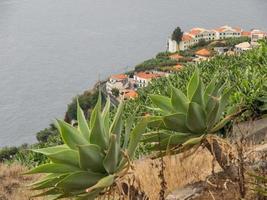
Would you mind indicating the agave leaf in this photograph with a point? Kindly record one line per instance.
(70, 135)
(91, 158)
(179, 101)
(162, 102)
(128, 127)
(79, 181)
(54, 191)
(209, 90)
(98, 135)
(65, 157)
(193, 84)
(155, 136)
(198, 95)
(191, 143)
(116, 126)
(156, 122)
(172, 141)
(49, 182)
(111, 159)
(103, 183)
(176, 122)
(106, 115)
(221, 124)
(136, 135)
(53, 168)
(211, 117)
(223, 103)
(51, 150)
(196, 118)
(82, 123)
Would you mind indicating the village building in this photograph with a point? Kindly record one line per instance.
(142, 79)
(195, 35)
(176, 56)
(118, 81)
(244, 46)
(129, 94)
(202, 55)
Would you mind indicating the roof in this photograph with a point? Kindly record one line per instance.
(203, 52)
(119, 76)
(130, 94)
(176, 56)
(148, 75)
(246, 33)
(195, 31)
(186, 37)
(226, 28)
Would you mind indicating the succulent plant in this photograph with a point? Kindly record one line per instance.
(187, 118)
(92, 157)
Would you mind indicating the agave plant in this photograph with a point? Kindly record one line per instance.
(188, 117)
(92, 157)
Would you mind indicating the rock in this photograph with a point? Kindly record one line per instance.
(186, 193)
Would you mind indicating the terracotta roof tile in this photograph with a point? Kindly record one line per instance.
(186, 37)
(119, 76)
(203, 52)
(175, 56)
(147, 75)
(130, 94)
(246, 33)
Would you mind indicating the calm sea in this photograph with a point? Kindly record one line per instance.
(52, 50)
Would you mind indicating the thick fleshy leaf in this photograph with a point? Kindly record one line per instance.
(70, 135)
(51, 150)
(106, 115)
(162, 102)
(82, 123)
(196, 118)
(198, 95)
(65, 157)
(79, 180)
(54, 168)
(89, 196)
(155, 136)
(223, 103)
(111, 159)
(91, 158)
(174, 140)
(49, 182)
(209, 90)
(156, 122)
(98, 135)
(117, 124)
(179, 101)
(211, 116)
(136, 135)
(176, 122)
(103, 183)
(128, 126)
(193, 84)
(191, 143)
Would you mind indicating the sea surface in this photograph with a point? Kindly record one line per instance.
(52, 50)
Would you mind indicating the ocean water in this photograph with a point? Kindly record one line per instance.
(52, 50)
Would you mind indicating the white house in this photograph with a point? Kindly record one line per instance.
(119, 81)
(142, 79)
(196, 34)
(257, 35)
(244, 46)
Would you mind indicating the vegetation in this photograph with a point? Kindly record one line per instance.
(115, 92)
(177, 35)
(97, 141)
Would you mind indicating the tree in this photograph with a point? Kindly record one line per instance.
(115, 92)
(177, 35)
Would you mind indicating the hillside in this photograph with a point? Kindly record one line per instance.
(245, 75)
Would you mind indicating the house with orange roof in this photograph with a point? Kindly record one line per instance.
(142, 79)
(202, 54)
(196, 34)
(129, 94)
(118, 81)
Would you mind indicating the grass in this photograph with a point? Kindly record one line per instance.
(13, 185)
